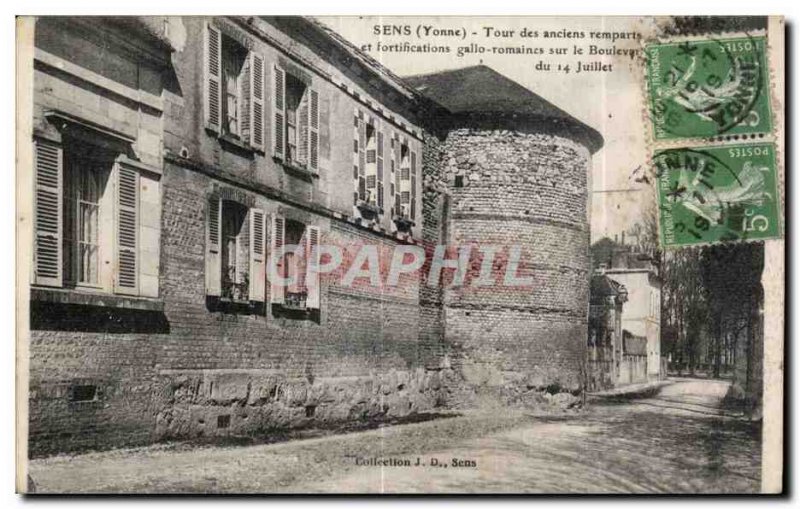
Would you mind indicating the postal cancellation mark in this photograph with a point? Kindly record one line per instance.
(707, 88)
(719, 193)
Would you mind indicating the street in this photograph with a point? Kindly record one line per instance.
(679, 441)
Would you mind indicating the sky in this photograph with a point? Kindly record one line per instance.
(611, 102)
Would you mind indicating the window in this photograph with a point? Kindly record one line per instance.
(86, 177)
(406, 197)
(404, 202)
(296, 121)
(295, 267)
(370, 150)
(303, 289)
(87, 220)
(233, 80)
(234, 84)
(295, 133)
(368, 163)
(235, 251)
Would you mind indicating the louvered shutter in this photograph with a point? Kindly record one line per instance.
(246, 101)
(279, 112)
(257, 71)
(398, 157)
(356, 168)
(277, 236)
(380, 170)
(312, 278)
(213, 240)
(413, 186)
(362, 146)
(258, 276)
(302, 116)
(212, 77)
(313, 157)
(127, 231)
(362, 188)
(48, 224)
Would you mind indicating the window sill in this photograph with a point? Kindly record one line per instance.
(236, 142)
(291, 312)
(233, 306)
(301, 172)
(86, 298)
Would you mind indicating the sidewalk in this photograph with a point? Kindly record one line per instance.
(632, 390)
(675, 443)
(269, 468)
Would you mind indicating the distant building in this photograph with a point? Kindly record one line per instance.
(607, 298)
(641, 314)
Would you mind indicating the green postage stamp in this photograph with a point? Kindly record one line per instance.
(719, 193)
(709, 88)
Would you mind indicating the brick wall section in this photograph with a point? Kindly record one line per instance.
(193, 365)
(267, 372)
(530, 190)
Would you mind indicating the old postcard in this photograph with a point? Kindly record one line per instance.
(265, 254)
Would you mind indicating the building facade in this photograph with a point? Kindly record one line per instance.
(639, 357)
(174, 156)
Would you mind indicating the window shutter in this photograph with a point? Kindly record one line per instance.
(277, 236)
(380, 156)
(212, 77)
(380, 171)
(245, 103)
(413, 192)
(213, 240)
(356, 167)
(127, 231)
(312, 279)
(362, 145)
(258, 275)
(48, 223)
(362, 188)
(279, 109)
(313, 158)
(303, 118)
(257, 100)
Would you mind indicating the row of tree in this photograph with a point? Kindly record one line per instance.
(711, 300)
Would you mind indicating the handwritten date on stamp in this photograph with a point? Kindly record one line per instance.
(707, 88)
(717, 194)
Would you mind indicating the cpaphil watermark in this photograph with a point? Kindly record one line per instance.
(468, 265)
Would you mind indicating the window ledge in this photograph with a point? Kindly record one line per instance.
(62, 296)
(236, 142)
(297, 170)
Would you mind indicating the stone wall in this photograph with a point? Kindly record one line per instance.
(527, 189)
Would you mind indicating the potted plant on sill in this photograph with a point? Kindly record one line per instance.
(403, 224)
(369, 211)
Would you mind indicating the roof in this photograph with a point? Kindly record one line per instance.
(482, 90)
(603, 286)
(362, 58)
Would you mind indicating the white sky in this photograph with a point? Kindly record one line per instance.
(610, 102)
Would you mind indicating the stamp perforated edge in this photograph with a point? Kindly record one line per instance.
(712, 140)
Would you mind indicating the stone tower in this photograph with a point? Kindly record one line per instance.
(505, 167)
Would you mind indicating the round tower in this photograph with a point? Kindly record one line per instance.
(517, 171)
